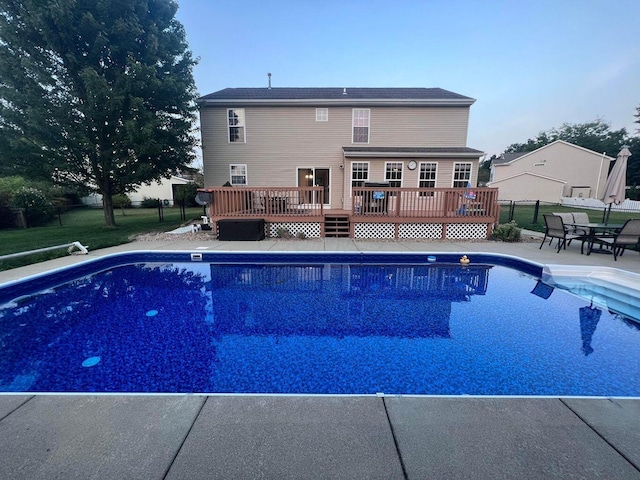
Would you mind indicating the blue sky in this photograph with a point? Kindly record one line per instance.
(531, 65)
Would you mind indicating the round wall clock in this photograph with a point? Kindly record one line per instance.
(412, 165)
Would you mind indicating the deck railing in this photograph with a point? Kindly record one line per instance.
(435, 204)
(420, 203)
(266, 201)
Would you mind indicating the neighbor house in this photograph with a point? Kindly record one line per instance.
(164, 190)
(338, 140)
(559, 169)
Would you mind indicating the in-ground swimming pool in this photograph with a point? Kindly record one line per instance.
(311, 324)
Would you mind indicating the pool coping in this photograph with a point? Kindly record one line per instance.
(241, 436)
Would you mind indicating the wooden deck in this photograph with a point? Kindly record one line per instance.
(371, 206)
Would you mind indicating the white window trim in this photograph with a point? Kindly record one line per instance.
(322, 114)
(401, 173)
(246, 174)
(353, 125)
(244, 126)
(363, 180)
(435, 180)
(453, 174)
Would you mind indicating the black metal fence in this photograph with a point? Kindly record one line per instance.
(53, 215)
(529, 212)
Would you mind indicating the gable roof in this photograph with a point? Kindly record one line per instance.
(511, 157)
(336, 96)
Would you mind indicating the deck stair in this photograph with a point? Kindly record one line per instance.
(336, 226)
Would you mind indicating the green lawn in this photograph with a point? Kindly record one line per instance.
(523, 215)
(87, 227)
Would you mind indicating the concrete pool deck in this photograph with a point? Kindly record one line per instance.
(350, 437)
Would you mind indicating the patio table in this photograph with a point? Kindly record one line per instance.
(594, 230)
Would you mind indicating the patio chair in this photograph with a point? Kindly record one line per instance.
(555, 228)
(580, 217)
(628, 236)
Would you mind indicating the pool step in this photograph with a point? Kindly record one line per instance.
(336, 226)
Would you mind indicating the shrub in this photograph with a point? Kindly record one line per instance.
(186, 194)
(37, 208)
(301, 235)
(507, 232)
(12, 184)
(148, 202)
(283, 233)
(6, 214)
(121, 201)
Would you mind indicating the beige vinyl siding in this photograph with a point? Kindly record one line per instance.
(419, 127)
(564, 162)
(281, 139)
(526, 187)
(444, 175)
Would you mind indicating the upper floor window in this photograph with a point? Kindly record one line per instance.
(322, 114)
(427, 177)
(235, 124)
(461, 175)
(238, 174)
(361, 125)
(359, 174)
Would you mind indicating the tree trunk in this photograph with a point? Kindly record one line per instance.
(107, 208)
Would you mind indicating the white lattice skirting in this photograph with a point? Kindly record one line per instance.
(421, 230)
(310, 230)
(373, 230)
(466, 230)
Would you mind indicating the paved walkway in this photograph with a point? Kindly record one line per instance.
(350, 437)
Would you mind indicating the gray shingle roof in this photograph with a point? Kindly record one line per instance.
(335, 94)
(412, 151)
(508, 157)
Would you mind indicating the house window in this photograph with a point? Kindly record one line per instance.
(322, 114)
(393, 174)
(359, 173)
(238, 174)
(361, 125)
(235, 124)
(427, 177)
(461, 175)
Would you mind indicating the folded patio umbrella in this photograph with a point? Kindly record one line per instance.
(614, 189)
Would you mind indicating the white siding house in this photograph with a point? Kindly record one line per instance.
(559, 169)
(162, 189)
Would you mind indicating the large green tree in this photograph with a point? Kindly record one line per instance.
(98, 93)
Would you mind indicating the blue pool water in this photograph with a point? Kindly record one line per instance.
(318, 324)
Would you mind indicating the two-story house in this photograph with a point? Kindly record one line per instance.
(338, 139)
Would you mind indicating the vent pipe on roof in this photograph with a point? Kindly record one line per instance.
(269, 75)
(344, 91)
